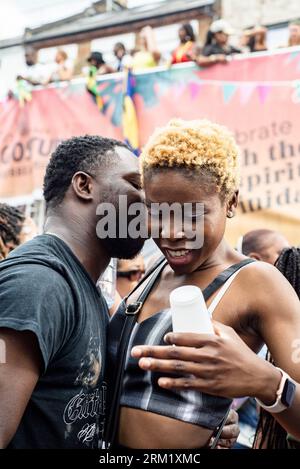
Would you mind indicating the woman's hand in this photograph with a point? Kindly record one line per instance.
(220, 364)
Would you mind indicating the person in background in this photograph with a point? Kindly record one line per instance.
(34, 72)
(270, 433)
(189, 51)
(64, 70)
(124, 60)
(289, 265)
(98, 66)
(187, 47)
(145, 55)
(15, 229)
(294, 33)
(129, 273)
(255, 39)
(217, 40)
(263, 245)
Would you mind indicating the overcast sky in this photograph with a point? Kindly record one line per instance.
(15, 15)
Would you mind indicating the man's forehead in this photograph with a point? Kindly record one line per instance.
(127, 161)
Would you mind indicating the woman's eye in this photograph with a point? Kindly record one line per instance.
(195, 216)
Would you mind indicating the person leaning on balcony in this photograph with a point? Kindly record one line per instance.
(294, 33)
(123, 59)
(217, 40)
(34, 73)
(255, 39)
(64, 68)
(145, 55)
(187, 46)
(189, 51)
(98, 64)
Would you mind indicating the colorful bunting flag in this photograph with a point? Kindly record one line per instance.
(179, 90)
(292, 56)
(246, 90)
(263, 92)
(194, 89)
(228, 91)
(129, 117)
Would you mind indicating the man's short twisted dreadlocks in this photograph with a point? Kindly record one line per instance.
(85, 153)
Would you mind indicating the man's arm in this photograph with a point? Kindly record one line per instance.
(31, 82)
(18, 376)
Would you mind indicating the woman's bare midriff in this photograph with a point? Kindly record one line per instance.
(146, 430)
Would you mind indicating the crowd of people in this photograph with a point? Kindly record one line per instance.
(216, 49)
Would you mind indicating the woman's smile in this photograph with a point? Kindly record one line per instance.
(178, 257)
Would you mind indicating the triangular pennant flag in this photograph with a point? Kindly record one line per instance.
(228, 91)
(246, 90)
(179, 89)
(292, 56)
(296, 92)
(194, 89)
(263, 91)
(162, 87)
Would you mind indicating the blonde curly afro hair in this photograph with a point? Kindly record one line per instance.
(200, 146)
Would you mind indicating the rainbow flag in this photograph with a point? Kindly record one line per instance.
(129, 117)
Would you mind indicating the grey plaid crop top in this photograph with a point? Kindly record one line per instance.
(140, 388)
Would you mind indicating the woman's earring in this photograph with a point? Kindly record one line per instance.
(230, 214)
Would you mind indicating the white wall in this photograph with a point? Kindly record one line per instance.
(245, 13)
(11, 60)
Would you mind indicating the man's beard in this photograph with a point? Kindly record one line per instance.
(123, 248)
(121, 245)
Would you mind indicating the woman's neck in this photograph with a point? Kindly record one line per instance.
(222, 256)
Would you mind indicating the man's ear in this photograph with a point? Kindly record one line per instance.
(232, 204)
(82, 185)
(254, 255)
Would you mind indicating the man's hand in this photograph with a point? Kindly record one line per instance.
(230, 431)
(220, 364)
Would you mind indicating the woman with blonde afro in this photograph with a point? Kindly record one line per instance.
(177, 396)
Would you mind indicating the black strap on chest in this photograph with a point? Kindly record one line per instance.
(132, 311)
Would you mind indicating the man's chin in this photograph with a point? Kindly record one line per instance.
(122, 248)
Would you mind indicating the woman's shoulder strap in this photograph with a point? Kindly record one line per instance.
(157, 266)
(223, 277)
